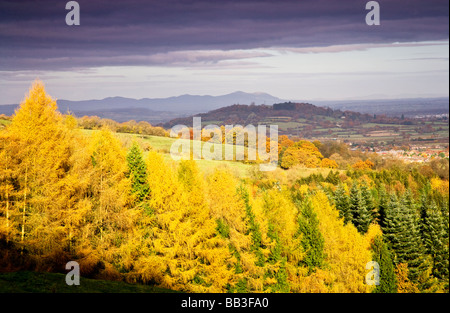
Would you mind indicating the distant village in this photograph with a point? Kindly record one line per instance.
(417, 154)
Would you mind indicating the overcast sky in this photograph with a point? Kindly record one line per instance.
(292, 49)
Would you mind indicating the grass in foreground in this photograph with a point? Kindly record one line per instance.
(36, 282)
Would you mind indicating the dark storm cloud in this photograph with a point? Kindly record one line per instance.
(33, 34)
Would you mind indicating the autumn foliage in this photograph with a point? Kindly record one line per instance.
(132, 215)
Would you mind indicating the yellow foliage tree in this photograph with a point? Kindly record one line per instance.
(43, 150)
(362, 165)
(185, 251)
(282, 214)
(110, 208)
(442, 186)
(10, 213)
(232, 216)
(327, 163)
(347, 251)
(303, 153)
(404, 285)
(285, 142)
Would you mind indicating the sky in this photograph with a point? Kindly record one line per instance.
(291, 49)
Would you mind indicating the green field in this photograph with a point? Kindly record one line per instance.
(4, 122)
(366, 133)
(163, 145)
(238, 169)
(31, 282)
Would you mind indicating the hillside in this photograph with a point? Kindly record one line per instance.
(314, 122)
(241, 114)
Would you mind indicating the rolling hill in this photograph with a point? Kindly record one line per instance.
(308, 121)
(153, 110)
(163, 110)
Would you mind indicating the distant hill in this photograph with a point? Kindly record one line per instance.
(182, 104)
(156, 110)
(163, 110)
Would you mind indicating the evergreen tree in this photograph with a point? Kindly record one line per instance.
(369, 204)
(402, 231)
(333, 177)
(281, 214)
(242, 220)
(408, 201)
(342, 203)
(355, 201)
(137, 171)
(436, 245)
(383, 202)
(361, 217)
(423, 208)
(445, 217)
(276, 264)
(253, 229)
(311, 238)
(384, 258)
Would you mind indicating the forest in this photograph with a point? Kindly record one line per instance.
(125, 212)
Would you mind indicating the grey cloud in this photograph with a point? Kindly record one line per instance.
(171, 58)
(34, 35)
(356, 47)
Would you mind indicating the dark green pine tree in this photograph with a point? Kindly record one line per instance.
(361, 217)
(445, 217)
(435, 242)
(253, 228)
(342, 203)
(137, 171)
(424, 203)
(408, 200)
(312, 241)
(355, 200)
(383, 202)
(369, 204)
(333, 177)
(382, 255)
(403, 233)
(275, 258)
